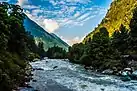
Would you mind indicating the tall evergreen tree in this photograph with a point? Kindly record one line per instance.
(133, 33)
(120, 39)
(133, 24)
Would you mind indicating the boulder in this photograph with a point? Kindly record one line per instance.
(45, 58)
(102, 89)
(55, 67)
(108, 71)
(34, 80)
(37, 69)
(40, 69)
(88, 67)
(125, 78)
(36, 59)
(65, 60)
(134, 75)
(125, 73)
(118, 73)
(26, 84)
(127, 69)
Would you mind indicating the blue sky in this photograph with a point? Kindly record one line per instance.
(71, 20)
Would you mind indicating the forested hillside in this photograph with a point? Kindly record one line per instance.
(17, 47)
(105, 52)
(120, 12)
(49, 39)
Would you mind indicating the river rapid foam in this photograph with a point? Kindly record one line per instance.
(60, 75)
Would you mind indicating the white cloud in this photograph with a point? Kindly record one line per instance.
(63, 2)
(30, 7)
(50, 25)
(67, 13)
(35, 12)
(77, 14)
(4, 0)
(72, 41)
(76, 40)
(62, 13)
(83, 16)
(22, 2)
(80, 1)
(88, 18)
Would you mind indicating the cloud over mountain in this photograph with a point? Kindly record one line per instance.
(54, 15)
(60, 13)
(22, 2)
(50, 25)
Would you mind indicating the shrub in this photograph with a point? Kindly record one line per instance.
(86, 60)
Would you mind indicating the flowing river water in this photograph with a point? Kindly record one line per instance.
(73, 77)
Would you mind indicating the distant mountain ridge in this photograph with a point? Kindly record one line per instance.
(49, 39)
(120, 12)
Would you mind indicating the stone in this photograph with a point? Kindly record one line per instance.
(55, 67)
(102, 89)
(83, 86)
(134, 75)
(127, 69)
(125, 78)
(108, 71)
(36, 59)
(34, 80)
(37, 69)
(45, 58)
(124, 73)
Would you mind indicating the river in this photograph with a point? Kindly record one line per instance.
(73, 77)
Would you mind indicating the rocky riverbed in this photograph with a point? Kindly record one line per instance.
(60, 75)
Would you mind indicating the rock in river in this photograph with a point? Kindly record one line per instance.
(108, 71)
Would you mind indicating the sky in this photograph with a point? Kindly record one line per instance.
(71, 20)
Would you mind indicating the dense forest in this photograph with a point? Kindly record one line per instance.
(104, 52)
(56, 53)
(17, 47)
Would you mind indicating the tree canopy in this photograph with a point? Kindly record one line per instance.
(17, 47)
(104, 52)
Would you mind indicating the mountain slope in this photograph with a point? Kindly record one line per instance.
(120, 12)
(40, 34)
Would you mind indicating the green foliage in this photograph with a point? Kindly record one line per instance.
(120, 12)
(133, 24)
(31, 56)
(56, 52)
(41, 49)
(120, 39)
(11, 70)
(133, 33)
(104, 52)
(86, 60)
(98, 52)
(17, 47)
(101, 36)
(49, 39)
(75, 52)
